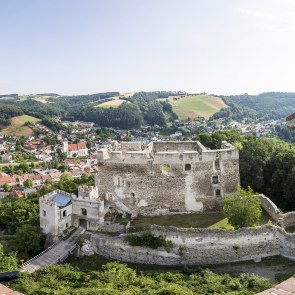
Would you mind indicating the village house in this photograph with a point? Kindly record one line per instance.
(5, 178)
(291, 121)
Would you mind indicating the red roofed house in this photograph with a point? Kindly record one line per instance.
(291, 121)
(5, 178)
(75, 149)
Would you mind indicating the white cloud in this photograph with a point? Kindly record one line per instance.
(274, 21)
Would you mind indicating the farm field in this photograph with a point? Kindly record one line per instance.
(116, 101)
(17, 126)
(111, 104)
(196, 106)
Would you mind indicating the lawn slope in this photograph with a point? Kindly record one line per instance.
(17, 126)
(196, 106)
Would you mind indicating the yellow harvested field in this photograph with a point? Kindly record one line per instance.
(112, 103)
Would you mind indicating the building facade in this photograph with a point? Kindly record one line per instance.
(169, 176)
(75, 149)
(160, 178)
(60, 210)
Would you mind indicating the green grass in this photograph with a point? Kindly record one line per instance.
(222, 224)
(18, 128)
(25, 118)
(202, 220)
(195, 220)
(197, 106)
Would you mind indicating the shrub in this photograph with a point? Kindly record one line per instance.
(148, 240)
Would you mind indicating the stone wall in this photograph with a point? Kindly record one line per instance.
(169, 176)
(202, 246)
(285, 220)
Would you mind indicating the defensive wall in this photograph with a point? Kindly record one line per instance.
(282, 219)
(168, 176)
(201, 246)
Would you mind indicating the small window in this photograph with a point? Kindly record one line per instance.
(187, 167)
(133, 194)
(64, 214)
(67, 225)
(217, 164)
(117, 180)
(215, 179)
(127, 183)
(217, 193)
(83, 211)
(44, 213)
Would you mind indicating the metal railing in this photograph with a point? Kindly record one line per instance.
(41, 253)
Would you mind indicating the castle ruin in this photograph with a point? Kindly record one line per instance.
(160, 178)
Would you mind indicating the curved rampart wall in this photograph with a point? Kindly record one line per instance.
(283, 219)
(202, 246)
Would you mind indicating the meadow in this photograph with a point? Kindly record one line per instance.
(196, 106)
(17, 126)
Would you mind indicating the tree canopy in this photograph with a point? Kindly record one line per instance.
(117, 279)
(242, 209)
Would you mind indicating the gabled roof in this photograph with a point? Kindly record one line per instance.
(77, 146)
(291, 117)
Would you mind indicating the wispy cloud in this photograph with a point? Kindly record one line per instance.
(275, 22)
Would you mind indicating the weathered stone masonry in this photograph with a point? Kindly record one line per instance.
(202, 246)
(168, 176)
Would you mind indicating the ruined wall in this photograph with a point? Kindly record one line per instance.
(283, 219)
(203, 246)
(178, 179)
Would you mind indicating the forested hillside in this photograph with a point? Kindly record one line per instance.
(268, 105)
(7, 112)
(141, 107)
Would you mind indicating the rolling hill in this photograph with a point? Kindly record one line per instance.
(17, 126)
(193, 106)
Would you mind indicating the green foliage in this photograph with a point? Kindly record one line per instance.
(181, 250)
(148, 240)
(7, 262)
(117, 279)
(6, 187)
(28, 183)
(68, 184)
(242, 209)
(269, 105)
(126, 116)
(154, 114)
(15, 212)
(27, 241)
(7, 112)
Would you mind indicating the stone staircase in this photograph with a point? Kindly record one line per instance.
(55, 254)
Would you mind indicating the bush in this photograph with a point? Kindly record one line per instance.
(150, 241)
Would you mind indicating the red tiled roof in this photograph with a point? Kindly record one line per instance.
(285, 288)
(6, 291)
(77, 146)
(5, 178)
(291, 117)
(33, 143)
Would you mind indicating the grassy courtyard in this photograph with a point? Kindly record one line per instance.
(194, 220)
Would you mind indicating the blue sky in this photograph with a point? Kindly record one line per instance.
(89, 46)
